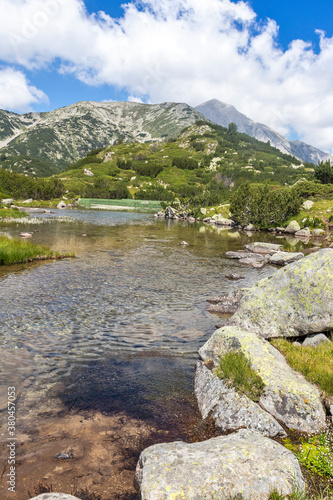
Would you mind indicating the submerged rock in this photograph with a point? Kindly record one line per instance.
(228, 302)
(244, 463)
(231, 411)
(296, 300)
(287, 395)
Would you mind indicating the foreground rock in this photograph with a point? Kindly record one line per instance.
(315, 340)
(297, 300)
(231, 411)
(244, 463)
(287, 395)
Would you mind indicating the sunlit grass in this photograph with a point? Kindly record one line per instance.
(14, 251)
(315, 363)
(13, 213)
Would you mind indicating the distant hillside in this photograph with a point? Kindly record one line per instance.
(204, 165)
(44, 143)
(222, 114)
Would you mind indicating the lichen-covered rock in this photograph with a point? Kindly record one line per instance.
(307, 204)
(244, 463)
(284, 258)
(318, 232)
(230, 411)
(240, 254)
(292, 227)
(55, 496)
(287, 395)
(315, 340)
(222, 221)
(295, 301)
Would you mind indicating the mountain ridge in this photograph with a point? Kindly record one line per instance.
(223, 113)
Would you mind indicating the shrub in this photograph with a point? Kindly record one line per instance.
(263, 206)
(185, 163)
(324, 172)
(236, 371)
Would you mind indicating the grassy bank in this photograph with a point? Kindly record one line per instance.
(315, 363)
(13, 213)
(13, 251)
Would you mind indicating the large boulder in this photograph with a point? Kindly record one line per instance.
(292, 227)
(243, 464)
(287, 395)
(295, 301)
(230, 411)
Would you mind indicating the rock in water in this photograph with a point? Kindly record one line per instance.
(244, 463)
(287, 395)
(284, 258)
(297, 300)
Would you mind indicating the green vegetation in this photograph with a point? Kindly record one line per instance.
(324, 172)
(315, 363)
(315, 453)
(13, 213)
(236, 371)
(20, 186)
(325, 494)
(263, 206)
(14, 251)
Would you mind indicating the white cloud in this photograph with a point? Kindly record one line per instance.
(132, 98)
(180, 50)
(16, 92)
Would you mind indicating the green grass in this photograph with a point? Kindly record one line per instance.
(315, 363)
(14, 251)
(236, 371)
(13, 213)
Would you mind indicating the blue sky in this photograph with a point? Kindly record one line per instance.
(264, 57)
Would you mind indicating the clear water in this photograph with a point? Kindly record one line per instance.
(132, 295)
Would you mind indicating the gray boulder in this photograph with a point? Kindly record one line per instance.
(230, 411)
(61, 204)
(295, 301)
(170, 213)
(318, 232)
(284, 258)
(307, 204)
(244, 463)
(292, 227)
(249, 227)
(240, 254)
(55, 496)
(315, 340)
(263, 248)
(287, 395)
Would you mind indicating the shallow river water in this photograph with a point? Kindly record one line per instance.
(101, 348)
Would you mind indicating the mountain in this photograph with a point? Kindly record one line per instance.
(44, 143)
(222, 114)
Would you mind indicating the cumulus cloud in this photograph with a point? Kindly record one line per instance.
(180, 50)
(16, 92)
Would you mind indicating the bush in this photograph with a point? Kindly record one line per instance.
(263, 206)
(185, 163)
(324, 172)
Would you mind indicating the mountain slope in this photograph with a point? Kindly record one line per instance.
(222, 114)
(58, 138)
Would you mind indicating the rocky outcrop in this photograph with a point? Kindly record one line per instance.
(287, 394)
(230, 411)
(315, 340)
(244, 463)
(297, 300)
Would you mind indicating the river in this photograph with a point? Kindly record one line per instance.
(101, 349)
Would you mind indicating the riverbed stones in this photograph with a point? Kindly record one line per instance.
(244, 464)
(284, 258)
(230, 411)
(303, 233)
(55, 496)
(227, 302)
(287, 395)
(296, 300)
